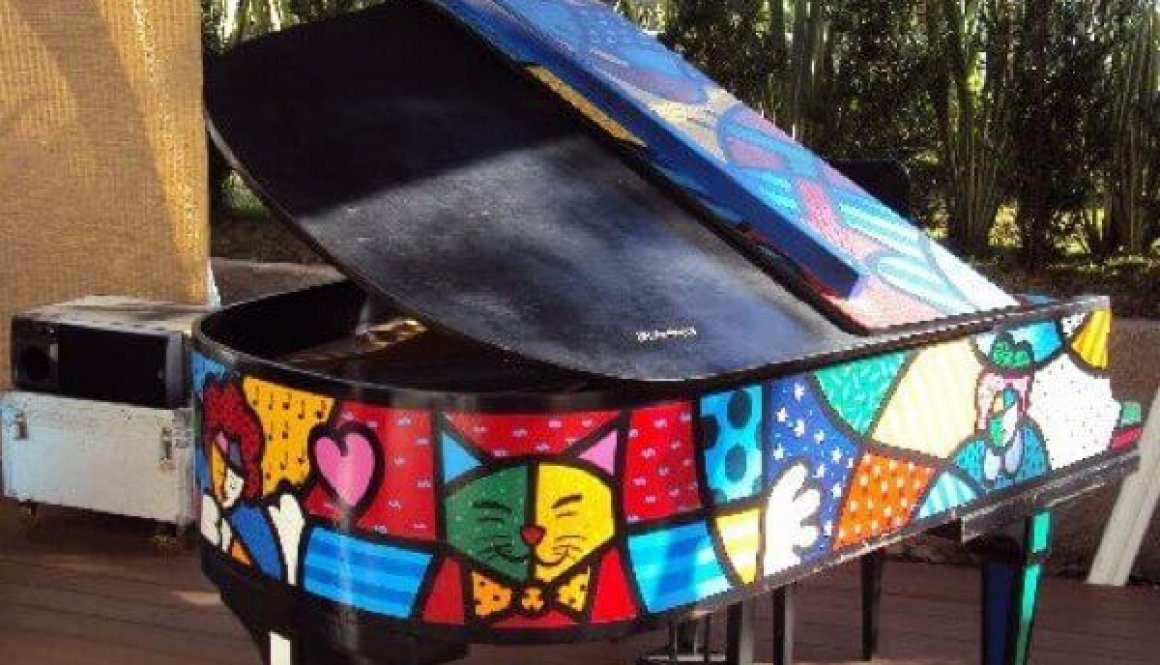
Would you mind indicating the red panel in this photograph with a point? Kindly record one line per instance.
(445, 599)
(552, 619)
(614, 600)
(660, 477)
(520, 434)
(404, 503)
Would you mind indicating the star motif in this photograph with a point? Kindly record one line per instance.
(799, 391)
(836, 490)
(782, 415)
(828, 528)
(799, 428)
(821, 471)
(836, 455)
(819, 437)
(778, 453)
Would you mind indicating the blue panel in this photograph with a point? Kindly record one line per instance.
(456, 459)
(676, 566)
(948, 491)
(250, 525)
(731, 430)
(978, 459)
(998, 586)
(200, 468)
(799, 429)
(202, 369)
(376, 577)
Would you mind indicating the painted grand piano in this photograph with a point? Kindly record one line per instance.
(615, 353)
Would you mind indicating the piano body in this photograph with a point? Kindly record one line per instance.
(614, 353)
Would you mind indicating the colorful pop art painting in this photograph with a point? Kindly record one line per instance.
(560, 519)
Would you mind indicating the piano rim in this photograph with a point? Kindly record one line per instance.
(614, 393)
(278, 606)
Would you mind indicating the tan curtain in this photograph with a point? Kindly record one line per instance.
(102, 155)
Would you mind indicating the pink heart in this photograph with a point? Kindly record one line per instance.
(346, 466)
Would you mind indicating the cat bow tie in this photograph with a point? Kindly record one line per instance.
(492, 597)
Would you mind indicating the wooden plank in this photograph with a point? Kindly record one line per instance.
(83, 588)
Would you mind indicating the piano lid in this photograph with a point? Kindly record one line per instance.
(872, 265)
(422, 164)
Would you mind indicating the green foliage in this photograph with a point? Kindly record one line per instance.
(226, 23)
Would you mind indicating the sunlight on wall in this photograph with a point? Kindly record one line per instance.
(102, 153)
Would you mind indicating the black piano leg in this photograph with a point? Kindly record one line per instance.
(1012, 568)
(871, 565)
(688, 642)
(739, 633)
(783, 620)
(280, 649)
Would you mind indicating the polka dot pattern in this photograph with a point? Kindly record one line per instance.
(574, 593)
(731, 429)
(660, 478)
(883, 495)
(505, 435)
(489, 596)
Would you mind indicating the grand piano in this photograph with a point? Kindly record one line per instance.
(614, 353)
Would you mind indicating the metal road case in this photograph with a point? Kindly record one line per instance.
(113, 458)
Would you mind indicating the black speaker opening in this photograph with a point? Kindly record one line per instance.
(34, 365)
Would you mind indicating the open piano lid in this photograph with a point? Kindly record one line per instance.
(424, 165)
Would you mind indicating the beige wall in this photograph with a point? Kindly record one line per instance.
(102, 155)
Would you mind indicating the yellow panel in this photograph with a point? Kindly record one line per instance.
(741, 537)
(574, 509)
(1092, 341)
(103, 164)
(569, 94)
(933, 408)
(489, 596)
(287, 417)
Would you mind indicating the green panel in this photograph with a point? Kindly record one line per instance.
(1040, 532)
(484, 518)
(1028, 595)
(856, 389)
(1131, 413)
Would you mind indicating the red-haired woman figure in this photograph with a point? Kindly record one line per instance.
(232, 442)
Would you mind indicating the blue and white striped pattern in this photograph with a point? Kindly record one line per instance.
(948, 492)
(676, 566)
(375, 577)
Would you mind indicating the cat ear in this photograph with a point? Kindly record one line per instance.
(602, 452)
(457, 459)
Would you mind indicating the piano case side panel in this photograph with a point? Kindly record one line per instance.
(548, 525)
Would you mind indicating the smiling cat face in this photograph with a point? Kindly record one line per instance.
(494, 521)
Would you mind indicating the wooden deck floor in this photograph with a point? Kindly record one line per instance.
(82, 589)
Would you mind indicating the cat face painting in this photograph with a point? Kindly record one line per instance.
(498, 524)
(530, 533)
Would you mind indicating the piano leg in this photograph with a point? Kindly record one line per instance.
(739, 633)
(1011, 571)
(783, 625)
(871, 565)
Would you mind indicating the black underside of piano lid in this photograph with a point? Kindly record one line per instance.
(450, 186)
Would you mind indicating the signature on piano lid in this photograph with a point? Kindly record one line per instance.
(646, 336)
